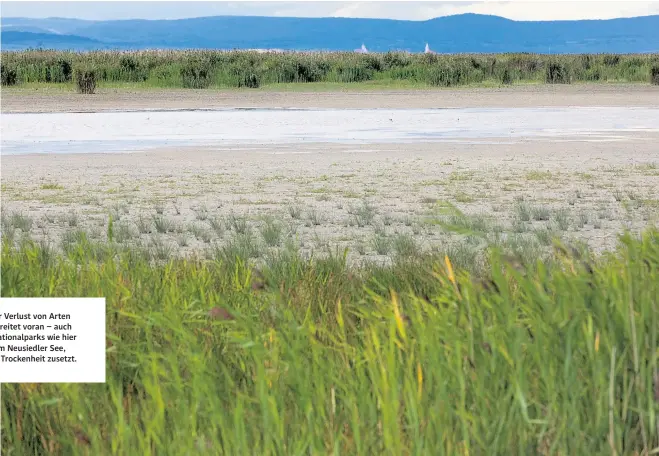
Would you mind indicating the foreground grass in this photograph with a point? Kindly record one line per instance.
(221, 69)
(311, 357)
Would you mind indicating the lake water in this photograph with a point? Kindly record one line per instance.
(130, 131)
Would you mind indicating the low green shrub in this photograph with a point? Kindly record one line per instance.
(8, 76)
(654, 75)
(85, 80)
(251, 81)
(196, 76)
(506, 77)
(557, 73)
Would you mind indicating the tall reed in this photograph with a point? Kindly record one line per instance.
(311, 357)
(203, 69)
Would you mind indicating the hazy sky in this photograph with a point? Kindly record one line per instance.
(521, 10)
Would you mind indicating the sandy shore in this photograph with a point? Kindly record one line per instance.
(23, 100)
(332, 195)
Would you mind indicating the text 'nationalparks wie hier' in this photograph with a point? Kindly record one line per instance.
(52, 340)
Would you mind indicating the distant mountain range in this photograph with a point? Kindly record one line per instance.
(451, 34)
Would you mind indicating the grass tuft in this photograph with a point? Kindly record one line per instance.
(271, 231)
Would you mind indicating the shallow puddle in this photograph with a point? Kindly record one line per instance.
(140, 130)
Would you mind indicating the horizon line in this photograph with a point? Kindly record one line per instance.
(2, 18)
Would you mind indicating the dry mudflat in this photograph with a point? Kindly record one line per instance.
(41, 100)
(378, 200)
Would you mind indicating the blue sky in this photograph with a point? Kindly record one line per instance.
(392, 10)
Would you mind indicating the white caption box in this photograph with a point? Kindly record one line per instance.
(52, 340)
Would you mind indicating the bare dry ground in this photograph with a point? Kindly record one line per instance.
(44, 100)
(377, 200)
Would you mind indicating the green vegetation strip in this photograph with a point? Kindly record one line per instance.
(222, 69)
(312, 357)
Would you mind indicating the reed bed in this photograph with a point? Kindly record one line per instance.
(308, 356)
(221, 69)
